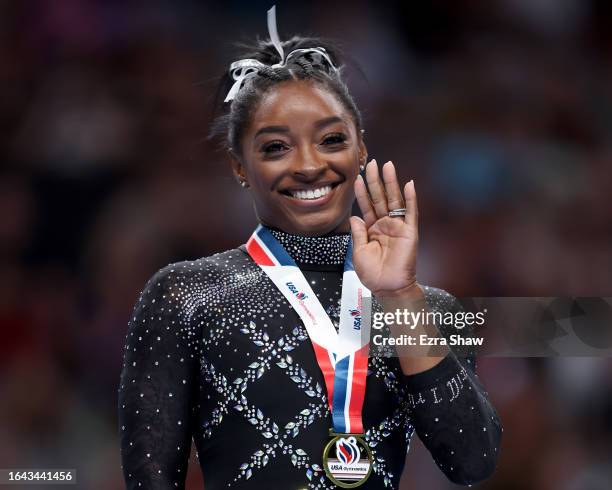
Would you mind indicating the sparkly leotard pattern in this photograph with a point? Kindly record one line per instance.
(215, 354)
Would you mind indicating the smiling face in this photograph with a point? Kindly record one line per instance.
(300, 155)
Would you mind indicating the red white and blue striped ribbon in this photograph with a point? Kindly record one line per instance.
(342, 356)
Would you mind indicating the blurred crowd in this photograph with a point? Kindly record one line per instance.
(500, 110)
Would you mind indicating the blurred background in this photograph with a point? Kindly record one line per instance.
(500, 110)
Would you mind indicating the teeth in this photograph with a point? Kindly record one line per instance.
(312, 193)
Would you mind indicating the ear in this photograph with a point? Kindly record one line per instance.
(237, 166)
(362, 149)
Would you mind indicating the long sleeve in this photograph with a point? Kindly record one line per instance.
(157, 386)
(451, 411)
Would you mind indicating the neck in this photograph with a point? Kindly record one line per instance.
(342, 228)
(328, 249)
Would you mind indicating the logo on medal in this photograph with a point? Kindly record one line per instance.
(352, 463)
(347, 450)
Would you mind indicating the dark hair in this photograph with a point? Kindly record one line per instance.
(235, 114)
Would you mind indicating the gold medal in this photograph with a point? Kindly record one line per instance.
(347, 460)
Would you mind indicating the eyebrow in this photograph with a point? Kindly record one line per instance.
(321, 123)
(272, 129)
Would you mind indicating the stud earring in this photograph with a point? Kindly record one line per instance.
(243, 183)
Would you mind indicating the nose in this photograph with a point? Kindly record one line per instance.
(308, 164)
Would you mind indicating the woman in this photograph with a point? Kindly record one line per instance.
(259, 354)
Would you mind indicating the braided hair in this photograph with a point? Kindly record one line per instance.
(236, 114)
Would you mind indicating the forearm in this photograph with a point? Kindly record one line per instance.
(455, 420)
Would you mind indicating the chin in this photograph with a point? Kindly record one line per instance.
(317, 225)
(313, 223)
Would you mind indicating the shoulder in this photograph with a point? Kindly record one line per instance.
(198, 270)
(182, 282)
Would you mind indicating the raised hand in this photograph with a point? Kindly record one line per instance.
(384, 247)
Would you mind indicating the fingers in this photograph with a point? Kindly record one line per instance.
(377, 191)
(412, 211)
(382, 195)
(367, 210)
(359, 231)
(392, 187)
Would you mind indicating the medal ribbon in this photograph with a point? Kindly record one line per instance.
(342, 356)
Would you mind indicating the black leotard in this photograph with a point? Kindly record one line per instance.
(215, 353)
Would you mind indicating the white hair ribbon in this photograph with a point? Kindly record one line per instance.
(273, 32)
(242, 70)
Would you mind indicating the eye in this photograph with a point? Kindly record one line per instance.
(274, 147)
(334, 139)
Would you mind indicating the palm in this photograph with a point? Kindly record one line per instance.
(384, 250)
